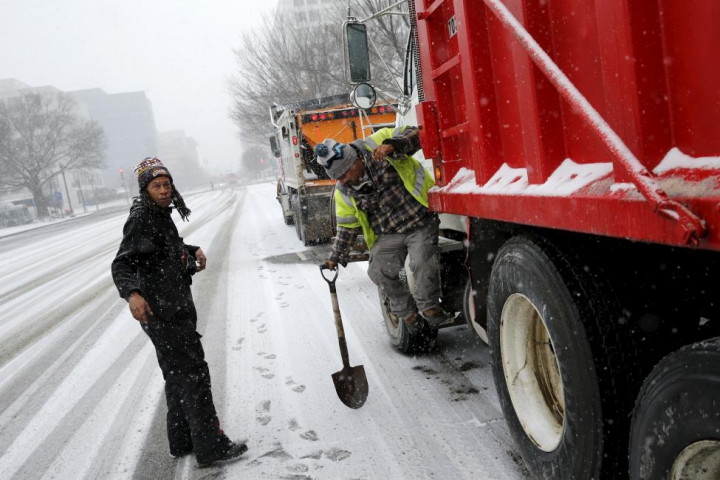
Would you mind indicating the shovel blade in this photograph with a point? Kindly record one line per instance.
(351, 386)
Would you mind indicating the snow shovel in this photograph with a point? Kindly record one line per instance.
(350, 382)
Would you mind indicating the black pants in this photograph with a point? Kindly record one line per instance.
(192, 423)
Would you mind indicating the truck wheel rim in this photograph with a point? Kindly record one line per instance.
(531, 372)
(699, 461)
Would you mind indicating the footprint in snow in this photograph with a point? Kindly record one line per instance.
(297, 468)
(337, 454)
(238, 345)
(310, 435)
(270, 356)
(293, 425)
(268, 376)
(290, 382)
(263, 412)
(314, 455)
(278, 452)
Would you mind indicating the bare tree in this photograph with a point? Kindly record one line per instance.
(282, 64)
(255, 159)
(41, 136)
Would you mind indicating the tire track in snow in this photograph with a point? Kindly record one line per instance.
(45, 453)
(35, 382)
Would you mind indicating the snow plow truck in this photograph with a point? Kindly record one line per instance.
(304, 190)
(579, 144)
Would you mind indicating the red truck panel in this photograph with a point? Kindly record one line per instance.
(640, 79)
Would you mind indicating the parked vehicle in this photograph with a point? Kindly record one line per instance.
(14, 215)
(304, 190)
(232, 180)
(579, 142)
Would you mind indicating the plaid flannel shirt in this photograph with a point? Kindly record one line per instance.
(391, 209)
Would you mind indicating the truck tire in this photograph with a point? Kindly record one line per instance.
(299, 225)
(565, 404)
(400, 337)
(675, 431)
(289, 220)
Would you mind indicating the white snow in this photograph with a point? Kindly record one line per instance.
(567, 179)
(675, 159)
(81, 394)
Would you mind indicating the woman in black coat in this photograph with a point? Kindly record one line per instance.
(153, 271)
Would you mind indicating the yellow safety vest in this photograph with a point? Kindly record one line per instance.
(416, 179)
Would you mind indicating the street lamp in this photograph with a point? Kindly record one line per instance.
(67, 192)
(79, 177)
(122, 180)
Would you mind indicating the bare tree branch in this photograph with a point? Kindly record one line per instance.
(42, 135)
(279, 63)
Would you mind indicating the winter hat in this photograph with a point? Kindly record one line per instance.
(152, 167)
(148, 169)
(336, 157)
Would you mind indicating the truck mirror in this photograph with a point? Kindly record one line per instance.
(363, 96)
(357, 53)
(274, 146)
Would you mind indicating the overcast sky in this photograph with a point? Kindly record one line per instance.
(177, 51)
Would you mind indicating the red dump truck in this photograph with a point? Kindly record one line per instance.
(579, 141)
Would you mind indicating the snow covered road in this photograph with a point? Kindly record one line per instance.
(81, 395)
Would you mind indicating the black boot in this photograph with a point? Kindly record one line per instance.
(231, 451)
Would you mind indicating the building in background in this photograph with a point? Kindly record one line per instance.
(310, 13)
(73, 191)
(130, 132)
(179, 153)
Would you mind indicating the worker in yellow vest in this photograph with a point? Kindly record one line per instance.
(382, 191)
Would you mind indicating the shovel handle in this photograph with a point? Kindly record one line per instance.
(338, 318)
(331, 283)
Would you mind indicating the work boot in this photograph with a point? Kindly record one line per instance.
(437, 317)
(414, 324)
(230, 452)
(177, 453)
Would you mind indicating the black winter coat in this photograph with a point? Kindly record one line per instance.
(152, 260)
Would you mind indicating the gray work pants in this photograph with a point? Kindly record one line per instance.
(387, 258)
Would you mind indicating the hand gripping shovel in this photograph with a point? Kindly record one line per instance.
(350, 382)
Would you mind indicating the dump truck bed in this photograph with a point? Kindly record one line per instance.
(596, 117)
